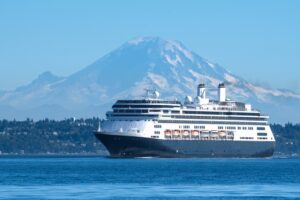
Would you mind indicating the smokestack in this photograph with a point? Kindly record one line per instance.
(201, 90)
(222, 92)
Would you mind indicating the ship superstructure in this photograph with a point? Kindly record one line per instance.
(198, 127)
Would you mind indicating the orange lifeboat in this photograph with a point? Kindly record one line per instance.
(195, 133)
(185, 133)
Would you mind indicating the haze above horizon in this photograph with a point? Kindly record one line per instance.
(256, 40)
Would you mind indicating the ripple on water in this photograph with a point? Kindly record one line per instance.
(103, 178)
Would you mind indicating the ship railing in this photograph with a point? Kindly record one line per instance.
(180, 137)
(179, 134)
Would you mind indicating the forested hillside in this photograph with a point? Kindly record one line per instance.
(72, 136)
(67, 136)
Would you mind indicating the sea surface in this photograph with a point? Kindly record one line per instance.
(148, 178)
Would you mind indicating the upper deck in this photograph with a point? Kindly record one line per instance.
(190, 110)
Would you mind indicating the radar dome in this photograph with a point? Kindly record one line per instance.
(156, 94)
(188, 99)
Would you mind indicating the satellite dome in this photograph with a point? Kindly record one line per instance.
(156, 94)
(188, 99)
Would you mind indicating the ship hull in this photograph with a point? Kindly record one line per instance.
(129, 146)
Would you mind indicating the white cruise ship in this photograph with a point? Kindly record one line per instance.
(199, 127)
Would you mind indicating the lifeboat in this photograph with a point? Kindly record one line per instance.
(204, 133)
(231, 133)
(214, 133)
(195, 133)
(168, 133)
(176, 133)
(185, 133)
(222, 133)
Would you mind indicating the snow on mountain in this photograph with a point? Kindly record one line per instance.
(139, 64)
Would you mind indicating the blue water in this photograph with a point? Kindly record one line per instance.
(105, 178)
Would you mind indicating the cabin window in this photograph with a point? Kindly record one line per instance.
(262, 138)
(154, 110)
(175, 111)
(246, 138)
(261, 128)
(262, 134)
(230, 127)
(199, 127)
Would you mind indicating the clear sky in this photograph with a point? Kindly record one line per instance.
(258, 40)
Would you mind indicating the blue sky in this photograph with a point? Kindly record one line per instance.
(258, 40)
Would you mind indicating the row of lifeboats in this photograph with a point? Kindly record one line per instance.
(194, 133)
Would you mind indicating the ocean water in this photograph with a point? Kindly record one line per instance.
(144, 178)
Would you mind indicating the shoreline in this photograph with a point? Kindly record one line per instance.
(56, 155)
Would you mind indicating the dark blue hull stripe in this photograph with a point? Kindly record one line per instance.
(128, 146)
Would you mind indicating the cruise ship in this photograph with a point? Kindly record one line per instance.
(197, 127)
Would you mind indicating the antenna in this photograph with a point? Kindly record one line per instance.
(151, 93)
(202, 80)
(147, 92)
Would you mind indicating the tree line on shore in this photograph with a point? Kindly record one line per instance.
(76, 136)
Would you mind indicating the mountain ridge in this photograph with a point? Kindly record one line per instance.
(126, 72)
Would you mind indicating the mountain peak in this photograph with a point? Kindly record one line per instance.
(157, 41)
(144, 39)
(43, 79)
(141, 63)
(171, 50)
(47, 77)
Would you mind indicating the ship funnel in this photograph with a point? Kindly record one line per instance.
(222, 92)
(201, 91)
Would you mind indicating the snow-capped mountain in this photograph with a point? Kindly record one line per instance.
(139, 64)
